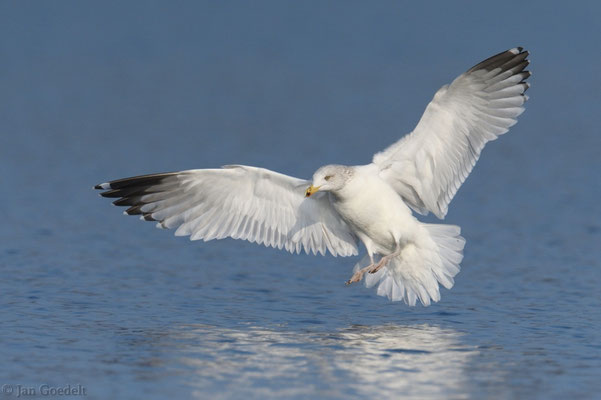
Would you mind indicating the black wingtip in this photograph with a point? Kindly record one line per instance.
(134, 210)
(505, 59)
(130, 191)
(148, 217)
(111, 193)
(141, 180)
(126, 201)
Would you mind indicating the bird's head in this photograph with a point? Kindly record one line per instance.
(329, 178)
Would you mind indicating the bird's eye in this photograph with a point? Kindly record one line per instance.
(328, 177)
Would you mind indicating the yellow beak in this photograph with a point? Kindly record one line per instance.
(311, 190)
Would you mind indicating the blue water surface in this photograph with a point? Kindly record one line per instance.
(97, 91)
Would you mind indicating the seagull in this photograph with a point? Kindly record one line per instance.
(342, 206)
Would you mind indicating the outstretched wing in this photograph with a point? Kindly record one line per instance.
(427, 166)
(240, 202)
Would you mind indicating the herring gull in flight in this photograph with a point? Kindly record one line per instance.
(343, 205)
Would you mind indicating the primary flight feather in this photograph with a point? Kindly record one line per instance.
(342, 205)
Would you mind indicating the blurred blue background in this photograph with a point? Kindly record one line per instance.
(97, 91)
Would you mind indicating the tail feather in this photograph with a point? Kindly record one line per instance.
(416, 273)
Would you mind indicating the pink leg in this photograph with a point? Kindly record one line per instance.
(383, 262)
(357, 276)
(378, 266)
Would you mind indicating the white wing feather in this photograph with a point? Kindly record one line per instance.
(240, 202)
(427, 166)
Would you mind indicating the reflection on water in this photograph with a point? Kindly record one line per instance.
(422, 361)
